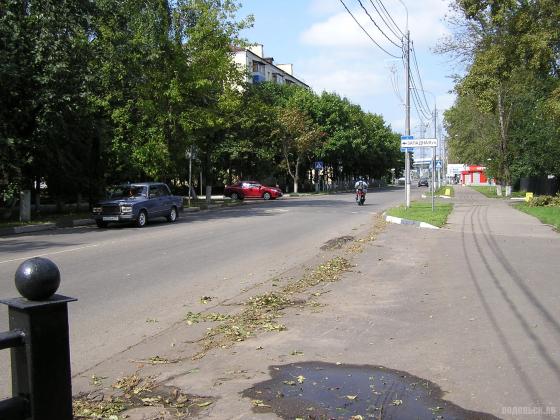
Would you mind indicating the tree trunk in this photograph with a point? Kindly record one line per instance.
(504, 123)
(296, 176)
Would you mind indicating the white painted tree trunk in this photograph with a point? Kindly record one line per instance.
(498, 190)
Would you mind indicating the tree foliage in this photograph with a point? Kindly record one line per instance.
(506, 111)
(108, 91)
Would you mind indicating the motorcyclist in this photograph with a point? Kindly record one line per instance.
(361, 185)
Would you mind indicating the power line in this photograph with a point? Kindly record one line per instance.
(395, 83)
(419, 78)
(390, 17)
(418, 101)
(367, 33)
(377, 26)
(384, 21)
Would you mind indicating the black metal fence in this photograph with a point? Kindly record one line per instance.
(39, 344)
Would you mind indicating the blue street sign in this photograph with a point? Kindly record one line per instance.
(319, 166)
(407, 137)
(438, 165)
(407, 149)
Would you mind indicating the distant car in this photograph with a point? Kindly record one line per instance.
(137, 203)
(251, 189)
(423, 182)
(401, 181)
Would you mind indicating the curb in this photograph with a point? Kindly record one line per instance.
(399, 221)
(439, 196)
(27, 229)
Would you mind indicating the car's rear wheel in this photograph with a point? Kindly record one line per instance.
(142, 219)
(234, 196)
(172, 216)
(266, 196)
(101, 223)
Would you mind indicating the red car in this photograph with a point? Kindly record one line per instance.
(251, 189)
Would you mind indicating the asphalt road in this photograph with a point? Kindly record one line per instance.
(132, 283)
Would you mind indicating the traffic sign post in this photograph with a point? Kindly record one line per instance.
(410, 141)
(406, 146)
(318, 165)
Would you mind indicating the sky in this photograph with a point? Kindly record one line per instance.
(331, 53)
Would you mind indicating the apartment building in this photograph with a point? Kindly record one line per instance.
(263, 69)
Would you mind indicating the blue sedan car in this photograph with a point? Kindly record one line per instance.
(137, 203)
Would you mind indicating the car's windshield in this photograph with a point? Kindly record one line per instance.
(126, 191)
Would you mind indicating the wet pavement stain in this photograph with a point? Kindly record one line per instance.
(316, 390)
(337, 243)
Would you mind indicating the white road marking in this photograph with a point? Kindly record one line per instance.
(49, 253)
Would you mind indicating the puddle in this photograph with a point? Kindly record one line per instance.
(316, 390)
(337, 243)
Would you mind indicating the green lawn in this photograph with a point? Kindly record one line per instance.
(490, 191)
(421, 211)
(547, 215)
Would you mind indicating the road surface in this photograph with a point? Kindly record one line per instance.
(132, 283)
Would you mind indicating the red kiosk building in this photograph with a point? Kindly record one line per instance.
(474, 175)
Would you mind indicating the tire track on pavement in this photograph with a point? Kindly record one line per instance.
(523, 376)
(503, 260)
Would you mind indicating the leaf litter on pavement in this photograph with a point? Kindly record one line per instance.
(262, 313)
(135, 391)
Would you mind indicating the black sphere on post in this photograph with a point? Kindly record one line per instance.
(37, 278)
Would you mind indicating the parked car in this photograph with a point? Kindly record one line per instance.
(251, 189)
(401, 180)
(137, 203)
(423, 182)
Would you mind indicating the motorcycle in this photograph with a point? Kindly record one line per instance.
(360, 197)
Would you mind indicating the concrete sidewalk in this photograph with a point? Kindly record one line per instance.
(470, 312)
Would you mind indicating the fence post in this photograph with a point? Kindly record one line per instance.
(41, 367)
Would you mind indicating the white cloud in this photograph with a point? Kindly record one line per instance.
(347, 73)
(340, 57)
(340, 30)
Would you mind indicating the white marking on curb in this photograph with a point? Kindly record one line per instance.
(427, 226)
(399, 221)
(393, 219)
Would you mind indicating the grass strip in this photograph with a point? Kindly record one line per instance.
(547, 215)
(421, 211)
(490, 191)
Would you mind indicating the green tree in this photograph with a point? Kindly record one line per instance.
(510, 48)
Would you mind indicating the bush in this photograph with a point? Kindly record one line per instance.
(545, 201)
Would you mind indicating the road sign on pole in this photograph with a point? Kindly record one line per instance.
(412, 142)
(319, 165)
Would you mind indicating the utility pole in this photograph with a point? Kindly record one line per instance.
(434, 159)
(407, 118)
